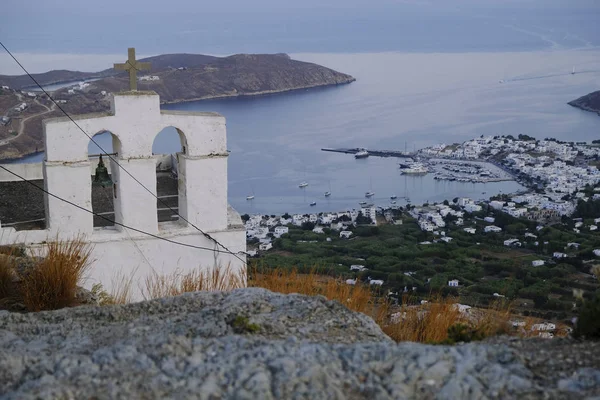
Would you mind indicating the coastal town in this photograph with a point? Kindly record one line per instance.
(534, 247)
(554, 173)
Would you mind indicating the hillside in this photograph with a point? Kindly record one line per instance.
(180, 78)
(589, 102)
(159, 62)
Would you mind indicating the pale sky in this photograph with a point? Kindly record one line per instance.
(84, 35)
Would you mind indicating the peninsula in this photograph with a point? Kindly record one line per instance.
(175, 77)
(589, 102)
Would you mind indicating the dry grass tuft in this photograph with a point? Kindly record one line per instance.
(358, 297)
(178, 282)
(427, 323)
(413, 321)
(52, 284)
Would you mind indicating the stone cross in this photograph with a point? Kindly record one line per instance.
(133, 67)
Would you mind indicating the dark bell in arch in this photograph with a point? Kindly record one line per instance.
(102, 178)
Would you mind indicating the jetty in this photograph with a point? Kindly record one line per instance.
(377, 153)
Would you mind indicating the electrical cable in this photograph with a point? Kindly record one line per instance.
(115, 161)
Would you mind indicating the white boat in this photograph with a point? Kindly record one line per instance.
(369, 194)
(362, 203)
(393, 197)
(251, 197)
(314, 203)
(573, 72)
(303, 184)
(414, 169)
(328, 193)
(393, 201)
(362, 153)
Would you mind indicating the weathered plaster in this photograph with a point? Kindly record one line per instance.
(121, 253)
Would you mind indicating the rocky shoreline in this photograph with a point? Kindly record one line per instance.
(589, 102)
(255, 344)
(257, 94)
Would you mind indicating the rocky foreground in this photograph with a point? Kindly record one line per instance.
(254, 344)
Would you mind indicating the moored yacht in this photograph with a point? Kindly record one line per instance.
(327, 194)
(303, 184)
(393, 197)
(369, 194)
(251, 197)
(415, 168)
(314, 203)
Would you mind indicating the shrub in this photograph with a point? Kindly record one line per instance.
(463, 333)
(241, 324)
(588, 321)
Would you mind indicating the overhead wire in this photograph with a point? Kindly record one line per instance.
(115, 161)
(110, 220)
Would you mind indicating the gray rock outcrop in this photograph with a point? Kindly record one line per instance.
(250, 344)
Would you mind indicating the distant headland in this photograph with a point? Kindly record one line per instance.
(175, 77)
(589, 102)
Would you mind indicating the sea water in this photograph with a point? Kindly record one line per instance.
(427, 73)
(399, 101)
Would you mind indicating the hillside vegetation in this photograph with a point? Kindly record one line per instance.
(178, 78)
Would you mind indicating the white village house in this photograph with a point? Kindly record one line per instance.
(134, 121)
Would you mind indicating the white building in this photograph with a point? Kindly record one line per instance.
(345, 234)
(496, 205)
(472, 207)
(544, 326)
(21, 107)
(281, 230)
(558, 254)
(370, 212)
(149, 78)
(470, 230)
(134, 120)
(453, 283)
(597, 252)
(491, 220)
(492, 228)
(265, 246)
(512, 242)
(537, 263)
(358, 268)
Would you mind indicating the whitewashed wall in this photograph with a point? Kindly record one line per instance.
(134, 122)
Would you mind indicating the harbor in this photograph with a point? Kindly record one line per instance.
(443, 169)
(341, 182)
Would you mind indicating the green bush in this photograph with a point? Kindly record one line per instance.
(463, 333)
(588, 321)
